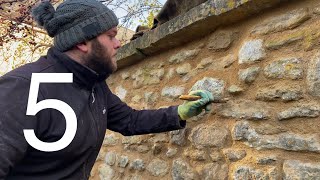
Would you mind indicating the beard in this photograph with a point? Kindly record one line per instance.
(99, 60)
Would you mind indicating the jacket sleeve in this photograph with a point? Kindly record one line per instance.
(13, 119)
(127, 121)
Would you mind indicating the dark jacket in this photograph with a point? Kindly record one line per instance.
(96, 109)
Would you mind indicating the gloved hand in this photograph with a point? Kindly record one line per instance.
(192, 108)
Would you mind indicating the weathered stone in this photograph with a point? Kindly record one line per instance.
(183, 56)
(158, 167)
(159, 138)
(215, 86)
(110, 158)
(270, 128)
(249, 110)
(133, 177)
(106, 172)
(121, 92)
(170, 73)
(311, 40)
(283, 92)
(123, 161)
(294, 169)
(214, 171)
(137, 164)
(285, 68)
(178, 137)
(201, 136)
(216, 156)
(216, 64)
(247, 172)
(313, 76)
(283, 22)
(196, 155)
(267, 160)
(234, 155)
(278, 42)
(252, 51)
(305, 110)
(143, 148)
(101, 155)
(316, 10)
(234, 89)
(183, 69)
(221, 40)
(182, 170)
(110, 139)
(147, 76)
(156, 149)
(171, 152)
(151, 97)
(125, 75)
(287, 141)
(205, 63)
(136, 99)
(172, 92)
(249, 75)
(131, 140)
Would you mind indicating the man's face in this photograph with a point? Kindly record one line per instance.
(103, 50)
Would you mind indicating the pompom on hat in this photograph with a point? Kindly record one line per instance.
(74, 21)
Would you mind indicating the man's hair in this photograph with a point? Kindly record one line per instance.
(74, 21)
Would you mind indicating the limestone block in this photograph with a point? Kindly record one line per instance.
(183, 69)
(234, 89)
(125, 75)
(279, 42)
(110, 139)
(289, 20)
(287, 141)
(280, 92)
(106, 172)
(301, 110)
(266, 160)
(173, 91)
(202, 136)
(121, 92)
(110, 158)
(195, 154)
(294, 169)
(158, 168)
(214, 171)
(249, 75)
(130, 140)
(171, 152)
(151, 97)
(178, 137)
(252, 51)
(234, 155)
(313, 76)
(213, 85)
(244, 109)
(183, 56)
(289, 68)
(123, 161)
(248, 172)
(182, 170)
(221, 40)
(137, 164)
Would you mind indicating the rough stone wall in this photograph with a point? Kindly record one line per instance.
(269, 68)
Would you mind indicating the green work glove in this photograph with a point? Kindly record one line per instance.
(192, 108)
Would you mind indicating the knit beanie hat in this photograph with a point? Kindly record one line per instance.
(74, 21)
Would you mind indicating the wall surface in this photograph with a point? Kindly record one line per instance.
(268, 65)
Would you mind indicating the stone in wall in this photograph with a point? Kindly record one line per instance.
(283, 22)
(151, 97)
(196, 154)
(286, 141)
(294, 169)
(183, 69)
(290, 68)
(182, 170)
(248, 110)
(170, 73)
(146, 76)
(234, 89)
(125, 75)
(279, 42)
(216, 64)
(280, 92)
(130, 140)
(171, 152)
(316, 10)
(266, 160)
(313, 76)
(123, 161)
(110, 158)
(178, 137)
(214, 171)
(221, 40)
(215, 86)
(252, 51)
(159, 138)
(234, 155)
(205, 135)
(172, 92)
(312, 39)
(248, 172)
(137, 164)
(121, 92)
(299, 111)
(106, 172)
(110, 139)
(158, 168)
(183, 56)
(249, 75)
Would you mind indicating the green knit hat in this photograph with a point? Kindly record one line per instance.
(74, 21)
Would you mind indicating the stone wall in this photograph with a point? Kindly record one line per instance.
(268, 65)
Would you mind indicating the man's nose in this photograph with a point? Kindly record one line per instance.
(117, 44)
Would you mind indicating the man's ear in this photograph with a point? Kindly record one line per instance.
(83, 47)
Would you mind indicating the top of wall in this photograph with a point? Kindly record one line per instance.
(192, 25)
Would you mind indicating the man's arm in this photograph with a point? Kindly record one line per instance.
(14, 94)
(127, 121)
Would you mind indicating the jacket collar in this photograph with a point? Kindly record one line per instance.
(82, 75)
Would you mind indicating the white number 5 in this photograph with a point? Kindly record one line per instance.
(64, 108)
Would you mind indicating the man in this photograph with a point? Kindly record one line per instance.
(85, 45)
